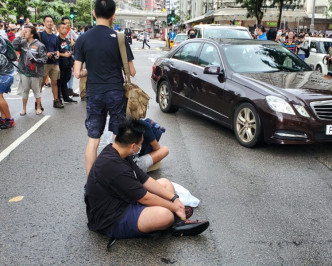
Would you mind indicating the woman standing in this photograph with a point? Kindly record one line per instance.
(32, 60)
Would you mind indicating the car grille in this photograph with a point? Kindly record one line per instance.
(323, 109)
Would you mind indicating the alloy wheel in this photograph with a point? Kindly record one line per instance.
(246, 125)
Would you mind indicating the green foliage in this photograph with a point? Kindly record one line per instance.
(281, 4)
(255, 8)
(84, 11)
(20, 7)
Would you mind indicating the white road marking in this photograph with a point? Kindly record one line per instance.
(17, 142)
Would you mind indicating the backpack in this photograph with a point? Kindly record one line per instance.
(8, 55)
(138, 101)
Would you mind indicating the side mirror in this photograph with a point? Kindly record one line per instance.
(213, 70)
(313, 50)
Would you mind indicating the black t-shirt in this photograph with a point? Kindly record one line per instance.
(64, 46)
(113, 184)
(51, 43)
(99, 49)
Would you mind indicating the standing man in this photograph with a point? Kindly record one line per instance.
(99, 49)
(145, 34)
(260, 32)
(65, 63)
(51, 68)
(72, 37)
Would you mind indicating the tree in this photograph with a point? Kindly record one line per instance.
(255, 8)
(84, 10)
(281, 4)
(57, 9)
(20, 7)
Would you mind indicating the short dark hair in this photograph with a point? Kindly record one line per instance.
(48, 16)
(63, 19)
(105, 8)
(261, 27)
(61, 23)
(129, 131)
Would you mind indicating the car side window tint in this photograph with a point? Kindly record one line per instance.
(189, 52)
(177, 55)
(313, 45)
(209, 56)
(199, 33)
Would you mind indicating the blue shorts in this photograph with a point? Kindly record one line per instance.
(127, 227)
(99, 106)
(5, 82)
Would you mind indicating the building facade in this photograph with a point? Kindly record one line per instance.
(296, 17)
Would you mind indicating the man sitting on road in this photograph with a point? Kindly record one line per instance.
(124, 202)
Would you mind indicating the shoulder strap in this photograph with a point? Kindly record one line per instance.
(123, 52)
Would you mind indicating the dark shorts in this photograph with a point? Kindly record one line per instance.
(112, 103)
(127, 227)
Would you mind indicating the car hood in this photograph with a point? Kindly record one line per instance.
(308, 86)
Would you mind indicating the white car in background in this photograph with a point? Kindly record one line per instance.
(318, 50)
(216, 31)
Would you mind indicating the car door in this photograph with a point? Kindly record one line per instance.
(179, 74)
(208, 89)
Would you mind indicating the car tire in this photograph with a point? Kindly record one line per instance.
(164, 96)
(247, 125)
(319, 69)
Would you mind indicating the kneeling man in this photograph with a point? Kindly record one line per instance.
(124, 202)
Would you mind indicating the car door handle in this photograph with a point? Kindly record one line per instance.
(194, 74)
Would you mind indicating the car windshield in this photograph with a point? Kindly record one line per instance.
(180, 38)
(263, 58)
(226, 33)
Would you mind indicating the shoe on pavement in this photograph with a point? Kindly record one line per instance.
(41, 106)
(57, 104)
(189, 228)
(69, 100)
(7, 123)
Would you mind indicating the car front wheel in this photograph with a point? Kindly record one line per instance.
(165, 98)
(247, 125)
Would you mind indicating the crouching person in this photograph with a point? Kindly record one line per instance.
(124, 202)
(151, 153)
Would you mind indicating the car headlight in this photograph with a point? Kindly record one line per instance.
(302, 111)
(279, 105)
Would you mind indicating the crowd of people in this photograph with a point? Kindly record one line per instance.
(44, 58)
(293, 41)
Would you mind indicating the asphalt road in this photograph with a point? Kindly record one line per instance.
(266, 206)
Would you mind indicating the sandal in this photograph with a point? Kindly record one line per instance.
(23, 113)
(39, 112)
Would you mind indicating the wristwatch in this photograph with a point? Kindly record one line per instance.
(176, 196)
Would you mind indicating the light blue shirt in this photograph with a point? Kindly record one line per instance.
(262, 37)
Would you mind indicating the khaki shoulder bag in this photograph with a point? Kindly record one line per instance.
(138, 100)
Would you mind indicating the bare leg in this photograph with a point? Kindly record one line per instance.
(160, 154)
(25, 101)
(4, 107)
(155, 218)
(38, 101)
(91, 153)
(54, 89)
(166, 184)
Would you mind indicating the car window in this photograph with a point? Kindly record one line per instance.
(177, 55)
(199, 33)
(263, 58)
(313, 44)
(188, 52)
(209, 56)
(180, 38)
(222, 33)
(323, 47)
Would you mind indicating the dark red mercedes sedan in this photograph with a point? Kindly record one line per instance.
(257, 88)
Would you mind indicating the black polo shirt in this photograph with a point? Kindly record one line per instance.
(99, 49)
(113, 184)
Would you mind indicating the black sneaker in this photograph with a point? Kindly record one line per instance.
(189, 228)
(69, 100)
(57, 104)
(7, 123)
